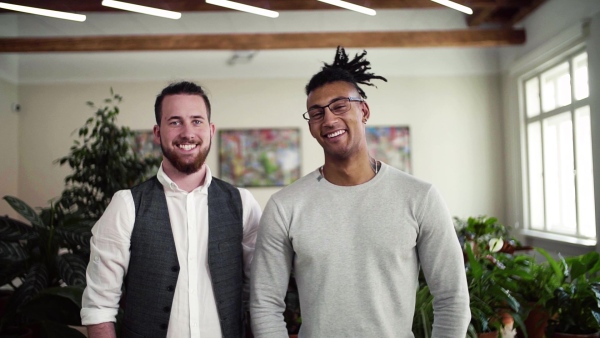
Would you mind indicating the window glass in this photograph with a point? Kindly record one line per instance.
(585, 175)
(559, 174)
(556, 87)
(580, 71)
(536, 176)
(532, 97)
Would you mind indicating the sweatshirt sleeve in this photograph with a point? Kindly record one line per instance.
(270, 274)
(442, 262)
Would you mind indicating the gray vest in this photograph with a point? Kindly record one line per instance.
(154, 268)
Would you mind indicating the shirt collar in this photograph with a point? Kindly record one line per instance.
(171, 186)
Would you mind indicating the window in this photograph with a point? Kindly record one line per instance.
(560, 181)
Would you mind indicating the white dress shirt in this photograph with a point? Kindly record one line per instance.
(193, 313)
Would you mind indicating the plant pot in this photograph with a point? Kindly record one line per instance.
(535, 323)
(576, 335)
(488, 335)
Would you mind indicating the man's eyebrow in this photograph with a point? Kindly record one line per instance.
(330, 102)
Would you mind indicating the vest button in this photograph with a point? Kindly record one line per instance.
(170, 288)
(167, 309)
(175, 268)
(163, 326)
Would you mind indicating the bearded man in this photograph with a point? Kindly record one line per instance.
(177, 248)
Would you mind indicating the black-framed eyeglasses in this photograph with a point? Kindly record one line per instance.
(337, 107)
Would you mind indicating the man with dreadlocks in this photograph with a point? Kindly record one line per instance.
(355, 231)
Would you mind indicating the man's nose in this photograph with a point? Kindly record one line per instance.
(328, 115)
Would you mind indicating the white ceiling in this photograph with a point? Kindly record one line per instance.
(128, 66)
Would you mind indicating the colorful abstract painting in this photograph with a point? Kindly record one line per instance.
(259, 157)
(390, 145)
(143, 144)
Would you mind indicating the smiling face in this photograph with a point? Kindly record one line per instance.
(185, 133)
(341, 136)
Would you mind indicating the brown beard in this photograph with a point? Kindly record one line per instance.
(183, 166)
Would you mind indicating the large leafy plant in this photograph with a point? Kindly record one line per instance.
(48, 260)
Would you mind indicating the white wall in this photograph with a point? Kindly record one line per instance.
(554, 27)
(454, 125)
(9, 151)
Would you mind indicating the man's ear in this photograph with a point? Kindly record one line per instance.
(212, 130)
(156, 132)
(366, 111)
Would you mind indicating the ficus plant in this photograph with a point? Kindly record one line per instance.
(102, 162)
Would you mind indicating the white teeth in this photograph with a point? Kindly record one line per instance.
(337, 133)
(187, 146)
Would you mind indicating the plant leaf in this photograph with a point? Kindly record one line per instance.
(14, 230)
(25, 210)
(58, 304)
(75, 236)
(10, 271)
(52, 329)
(71, 269)
(12, 252)
(35, 281)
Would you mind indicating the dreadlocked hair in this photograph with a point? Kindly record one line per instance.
(354, 71)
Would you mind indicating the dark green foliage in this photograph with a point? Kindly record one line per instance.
(102, 163)
(40, 256)
(491, 290)
(576, 302)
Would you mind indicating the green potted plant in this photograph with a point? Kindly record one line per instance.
(575, 307)
(50, 261)
(537, 290)
(491, 290)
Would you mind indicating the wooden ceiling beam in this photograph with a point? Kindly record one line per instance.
(404, 39)
(479, 16)
(523, 12)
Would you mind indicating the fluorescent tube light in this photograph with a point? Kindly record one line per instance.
(141, 9)
(350, 6)
(243, 8)
(44, 12)
(454, 5)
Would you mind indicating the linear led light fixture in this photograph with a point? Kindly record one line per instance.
(44, 12)
(454, 5)
(243, 8)
(141, 9)
(350, 6)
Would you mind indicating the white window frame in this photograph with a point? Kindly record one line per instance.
(565, 56)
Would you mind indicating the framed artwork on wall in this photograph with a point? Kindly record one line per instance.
(259, 157)
(143, 144)
(390, 145)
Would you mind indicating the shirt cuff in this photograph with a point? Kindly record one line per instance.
(98, 316)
